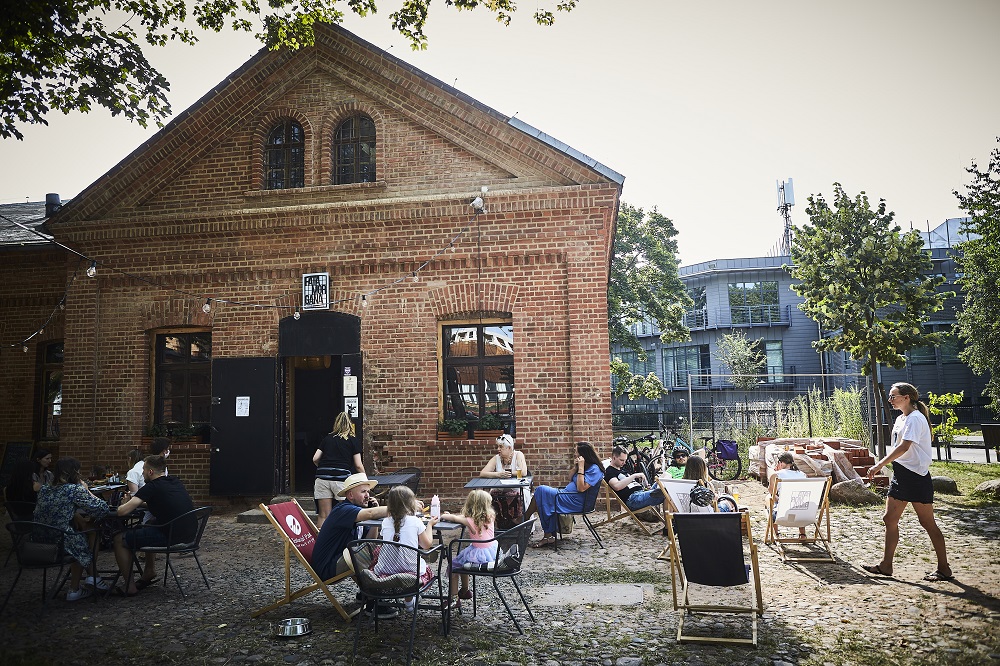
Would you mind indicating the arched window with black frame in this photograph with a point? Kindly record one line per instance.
(354, 151)
(284, 156)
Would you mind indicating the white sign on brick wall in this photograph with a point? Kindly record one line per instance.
(315, 291)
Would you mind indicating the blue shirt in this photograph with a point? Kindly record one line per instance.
(339, 529)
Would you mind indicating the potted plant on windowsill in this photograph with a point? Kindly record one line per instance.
(453, 429)
(489, 427)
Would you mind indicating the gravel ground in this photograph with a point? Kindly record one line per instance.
(814, 613)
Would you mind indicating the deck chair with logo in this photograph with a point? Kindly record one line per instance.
(298, 533)
(677, 499)
(800, 503)
(610, 497)
(714, 573)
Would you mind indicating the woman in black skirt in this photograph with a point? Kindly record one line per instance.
(911, 480)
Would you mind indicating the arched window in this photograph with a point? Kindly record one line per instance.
(284, 156)
(354, 151)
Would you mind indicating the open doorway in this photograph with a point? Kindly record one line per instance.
(317, 397)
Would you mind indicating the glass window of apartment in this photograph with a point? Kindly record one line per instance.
(183, 379)
(753, 302)
(951, 346)
(478, 369)
(50, 375)
(923, 355)
(679, 362)
(775, 360)
(697, 316)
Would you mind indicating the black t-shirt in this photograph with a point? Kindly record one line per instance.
(166, 498)
(337, 461)
(612, 472)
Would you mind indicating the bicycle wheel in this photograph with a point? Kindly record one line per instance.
(652, 470)
(721, 469)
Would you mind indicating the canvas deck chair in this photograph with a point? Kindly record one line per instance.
(610, 496)
(299, 536)
(677, 499)
(708, 553)
(799, 503)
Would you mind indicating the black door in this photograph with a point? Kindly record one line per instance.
(244, 394)
(318, 400)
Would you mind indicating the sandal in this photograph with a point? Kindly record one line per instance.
(544, 541)
(876, 569)
(142, 584)
(937, 576)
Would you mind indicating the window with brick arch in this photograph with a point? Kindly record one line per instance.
(284, 156)
(478, 371)
(354, 151)
(50, 376)
(182, 380)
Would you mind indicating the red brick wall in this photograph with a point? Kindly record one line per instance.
(185, 212)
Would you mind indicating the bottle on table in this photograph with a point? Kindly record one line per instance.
(435, 507)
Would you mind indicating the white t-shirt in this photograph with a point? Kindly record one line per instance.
(411, 528)
(135, 475)
(915, 428)
(790, 474)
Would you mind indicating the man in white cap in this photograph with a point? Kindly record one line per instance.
(341, 525)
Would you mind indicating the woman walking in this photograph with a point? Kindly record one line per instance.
(911, 480)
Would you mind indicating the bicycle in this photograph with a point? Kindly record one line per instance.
(722, 459)
(640, 459)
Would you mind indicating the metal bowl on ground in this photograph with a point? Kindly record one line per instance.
(292, 627)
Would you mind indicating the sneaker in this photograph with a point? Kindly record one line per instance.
(410, 605)
(384, 612)
(76, 595)
(101, 584)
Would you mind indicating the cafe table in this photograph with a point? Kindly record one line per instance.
(489, 483)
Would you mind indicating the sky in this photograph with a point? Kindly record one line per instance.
(702, 106)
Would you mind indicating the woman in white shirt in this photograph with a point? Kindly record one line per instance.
(911, 480)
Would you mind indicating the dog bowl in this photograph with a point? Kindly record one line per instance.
(292, 627)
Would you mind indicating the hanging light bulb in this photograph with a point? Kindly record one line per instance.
(40, 331)
(25, 349)
(416, 278)
(207, 307)
(364, 301)
(92, 269)
(62, 306)
(451, 246)
(297, 315)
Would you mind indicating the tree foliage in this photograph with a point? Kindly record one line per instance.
(864, 282)
(72, 55)
(744, 358)
(644, 285)
(979, 264)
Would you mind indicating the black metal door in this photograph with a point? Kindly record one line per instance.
(244, 395)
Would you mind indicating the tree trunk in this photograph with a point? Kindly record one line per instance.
(882, 408)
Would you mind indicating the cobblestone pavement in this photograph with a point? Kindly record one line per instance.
(814, 613)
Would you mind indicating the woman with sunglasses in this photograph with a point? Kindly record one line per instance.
(911, 480)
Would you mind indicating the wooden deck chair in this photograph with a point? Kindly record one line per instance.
(624, 512)
(801, 503)
(677, 499)
(298, 532)
(708, 552)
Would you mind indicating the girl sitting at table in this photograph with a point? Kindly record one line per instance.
(67, 504)
(402, 526)
(478, 516)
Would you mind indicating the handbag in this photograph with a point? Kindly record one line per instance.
(566, 524)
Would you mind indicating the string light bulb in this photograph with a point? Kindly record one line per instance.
(416, 277)
(364, 301)
(25, 349)
(451, 246)
(207, 307)
(92, 269)
(297, 315)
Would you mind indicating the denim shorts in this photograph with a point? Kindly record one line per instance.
(144, 537)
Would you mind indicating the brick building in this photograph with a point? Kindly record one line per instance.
(346, 164)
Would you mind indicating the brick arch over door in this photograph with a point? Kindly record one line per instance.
(264, 127)
(470, 298)
(330, 125)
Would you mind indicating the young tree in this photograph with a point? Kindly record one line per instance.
(865, 283)
(71, 55)
(978, 261)
(644, 285)
(743, 357)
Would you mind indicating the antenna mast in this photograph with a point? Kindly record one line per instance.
(786, 199)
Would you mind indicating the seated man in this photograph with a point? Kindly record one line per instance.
(341, 527)
(166, 498)
(679, 458)
(629, 487)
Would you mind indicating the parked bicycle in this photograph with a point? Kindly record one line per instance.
(722, 457)
(641, 458)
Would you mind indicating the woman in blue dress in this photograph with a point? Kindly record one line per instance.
(59, 505)
(587, 472)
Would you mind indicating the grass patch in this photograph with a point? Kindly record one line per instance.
(967, 476)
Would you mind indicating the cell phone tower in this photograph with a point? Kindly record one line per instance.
(786, 199)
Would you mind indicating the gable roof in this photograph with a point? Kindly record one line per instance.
(507, 144)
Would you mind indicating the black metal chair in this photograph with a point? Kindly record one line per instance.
(414, 483)
(180, 525)
(589, 506)
(390, 580)
(38, 546)
(511, 545)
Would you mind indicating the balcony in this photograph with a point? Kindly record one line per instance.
(738, 317)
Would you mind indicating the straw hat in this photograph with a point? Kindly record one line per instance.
(355, 480)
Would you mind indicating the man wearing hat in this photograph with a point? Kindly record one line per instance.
(341, 525)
